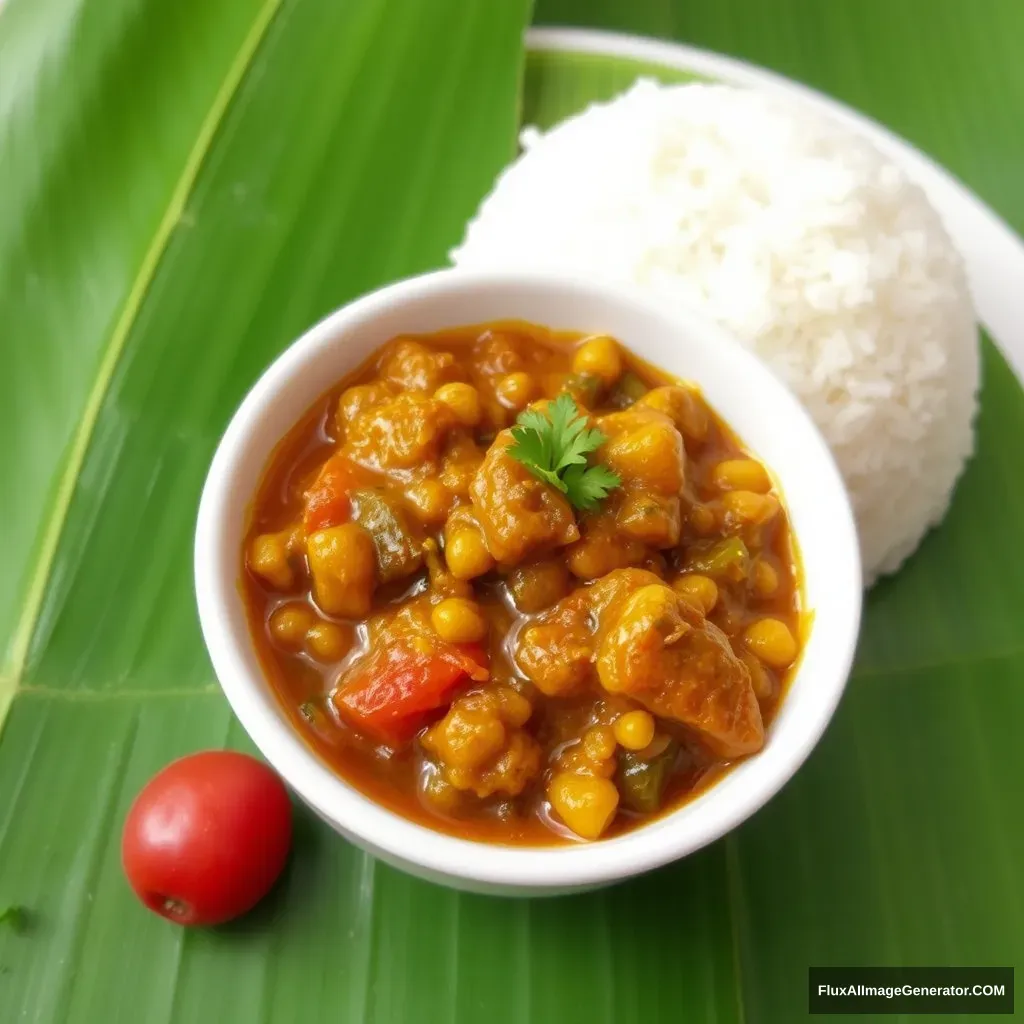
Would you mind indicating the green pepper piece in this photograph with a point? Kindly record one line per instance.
(398, 554)
(641, 783)
(728, 558)
(629, 389)
(584, 387)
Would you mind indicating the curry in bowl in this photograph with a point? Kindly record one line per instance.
(520, 586)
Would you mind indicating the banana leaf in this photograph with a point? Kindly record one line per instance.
(186, 187)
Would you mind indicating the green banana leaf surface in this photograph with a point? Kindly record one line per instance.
(186, 187)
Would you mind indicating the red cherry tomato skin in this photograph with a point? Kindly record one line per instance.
(207, 837)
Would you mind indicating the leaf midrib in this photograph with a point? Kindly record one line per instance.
(13, 672)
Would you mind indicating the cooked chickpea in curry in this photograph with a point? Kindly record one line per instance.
(518, 585)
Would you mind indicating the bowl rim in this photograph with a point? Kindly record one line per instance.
(387, 833)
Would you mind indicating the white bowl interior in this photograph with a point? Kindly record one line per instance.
(749, 398)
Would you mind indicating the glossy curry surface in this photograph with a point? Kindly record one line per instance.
(468, 646)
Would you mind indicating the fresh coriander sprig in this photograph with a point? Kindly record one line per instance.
(554, 447)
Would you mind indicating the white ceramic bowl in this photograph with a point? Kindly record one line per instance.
(741, 390)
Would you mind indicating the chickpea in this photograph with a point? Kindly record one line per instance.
(467, 554)
(464, 402)
(702, 519)
(750, 506)
(515, 390)
(327, 641)
(268, 557)
(760, 681)
(766, 579)
(599, 743)
(290, 623)
(440, 792)
(514, 708)
(430, 499)
(634, 730)
(772, 641)
(701, 589)
(599, 357)
(586, 804)
(459, 621)
(741, 475)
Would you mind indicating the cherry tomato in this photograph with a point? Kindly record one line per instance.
(207, 837)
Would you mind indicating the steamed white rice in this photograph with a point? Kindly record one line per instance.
(796, 235)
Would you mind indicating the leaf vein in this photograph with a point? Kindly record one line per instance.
(10, 680)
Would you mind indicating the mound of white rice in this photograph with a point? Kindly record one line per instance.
(796, 235)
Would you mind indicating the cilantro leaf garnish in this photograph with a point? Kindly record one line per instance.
(554, 447)
(587, 488)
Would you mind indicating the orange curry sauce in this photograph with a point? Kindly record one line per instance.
(690, 560)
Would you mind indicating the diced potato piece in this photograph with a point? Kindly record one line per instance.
(660, 650)
(519, 514)
(459, 464)
(497, 353)
(684, 406)
(586, 805)
(603, 548)
(467, 736)
(343, 564)
(607, 595)
(556, 651)
(480, 745)
(411, 366)
(644, 448)
(430, 500)
(654, 519)
(403, 433)
(359, 399)
(269, 559)
(627, 665)
(556, 657)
